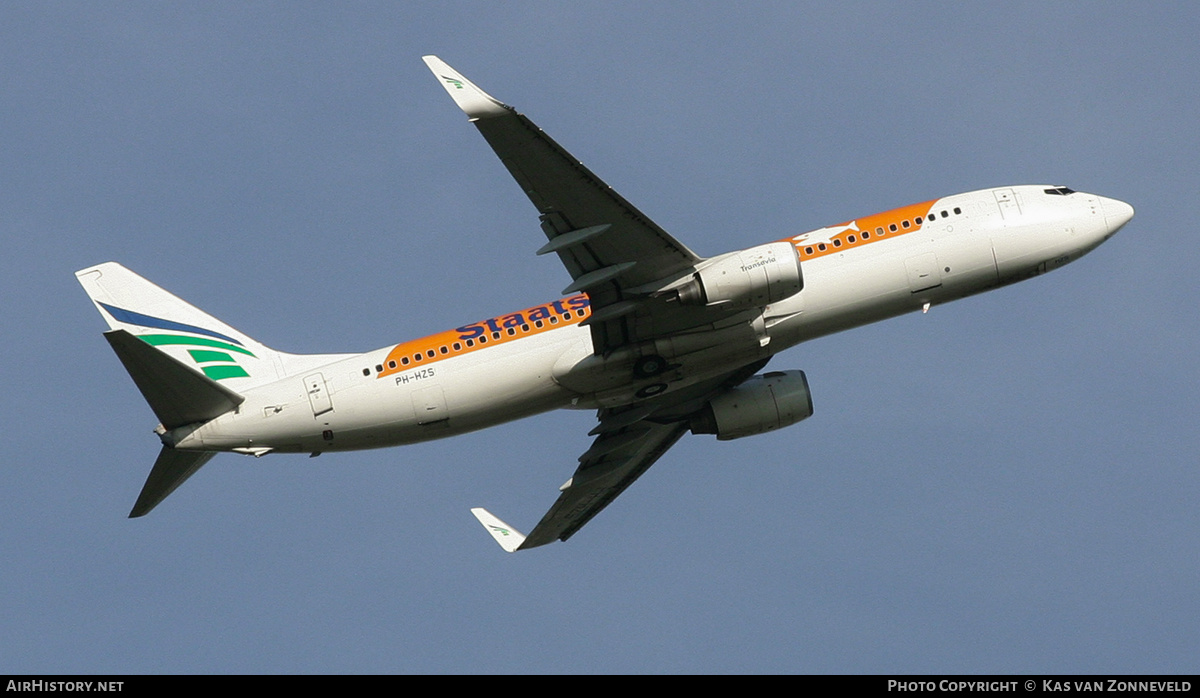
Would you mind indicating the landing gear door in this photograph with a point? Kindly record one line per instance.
(318, 394)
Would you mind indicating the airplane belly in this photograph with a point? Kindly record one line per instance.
(513, 382)
(611, 380)
(842, 293)
(839, 296)
(648, 323)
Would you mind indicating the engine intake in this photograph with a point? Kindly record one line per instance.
(763, 403)
(753, 277)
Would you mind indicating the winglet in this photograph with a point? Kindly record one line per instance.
(508, 537)
(475, 102)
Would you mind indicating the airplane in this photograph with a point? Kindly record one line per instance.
(657, 339)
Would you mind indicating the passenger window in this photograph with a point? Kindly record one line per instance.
(391, 364)
(851, 239)
(837, 243)
(892, 227)
(957, 211)
(404, 360)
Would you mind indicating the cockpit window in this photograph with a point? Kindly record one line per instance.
(1059, 191)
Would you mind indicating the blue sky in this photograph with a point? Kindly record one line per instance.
(1007, 484)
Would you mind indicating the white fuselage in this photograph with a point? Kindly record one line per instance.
(524, 363)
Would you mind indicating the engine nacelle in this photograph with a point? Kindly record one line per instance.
(763, 403)
(753, 277)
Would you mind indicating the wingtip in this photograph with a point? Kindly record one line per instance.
(509, 538)
(476, 103)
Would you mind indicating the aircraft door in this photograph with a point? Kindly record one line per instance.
(318, 394)
(429, 403)
(923, 272)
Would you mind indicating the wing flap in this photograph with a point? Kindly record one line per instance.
(571, 197)
(601, 479)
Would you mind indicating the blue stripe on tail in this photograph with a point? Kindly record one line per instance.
(132, 318)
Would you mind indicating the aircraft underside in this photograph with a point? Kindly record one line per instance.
(657, 339)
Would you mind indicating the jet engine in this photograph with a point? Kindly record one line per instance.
(753, 277)
(763, 403)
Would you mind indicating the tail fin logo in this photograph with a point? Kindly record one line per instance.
(216, 355)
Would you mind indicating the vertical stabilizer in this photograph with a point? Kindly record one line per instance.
(190, 366)
(178, 329)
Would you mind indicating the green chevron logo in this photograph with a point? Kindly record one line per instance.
(215, 359)
(457, 83)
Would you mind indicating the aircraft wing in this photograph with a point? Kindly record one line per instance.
(602, 476)
(628, 441)
(614, 253)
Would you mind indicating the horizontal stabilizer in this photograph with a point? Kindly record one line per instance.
(508, 537)
(177, 394)
(168, 473)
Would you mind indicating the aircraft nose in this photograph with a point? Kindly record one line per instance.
(1116, 213)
